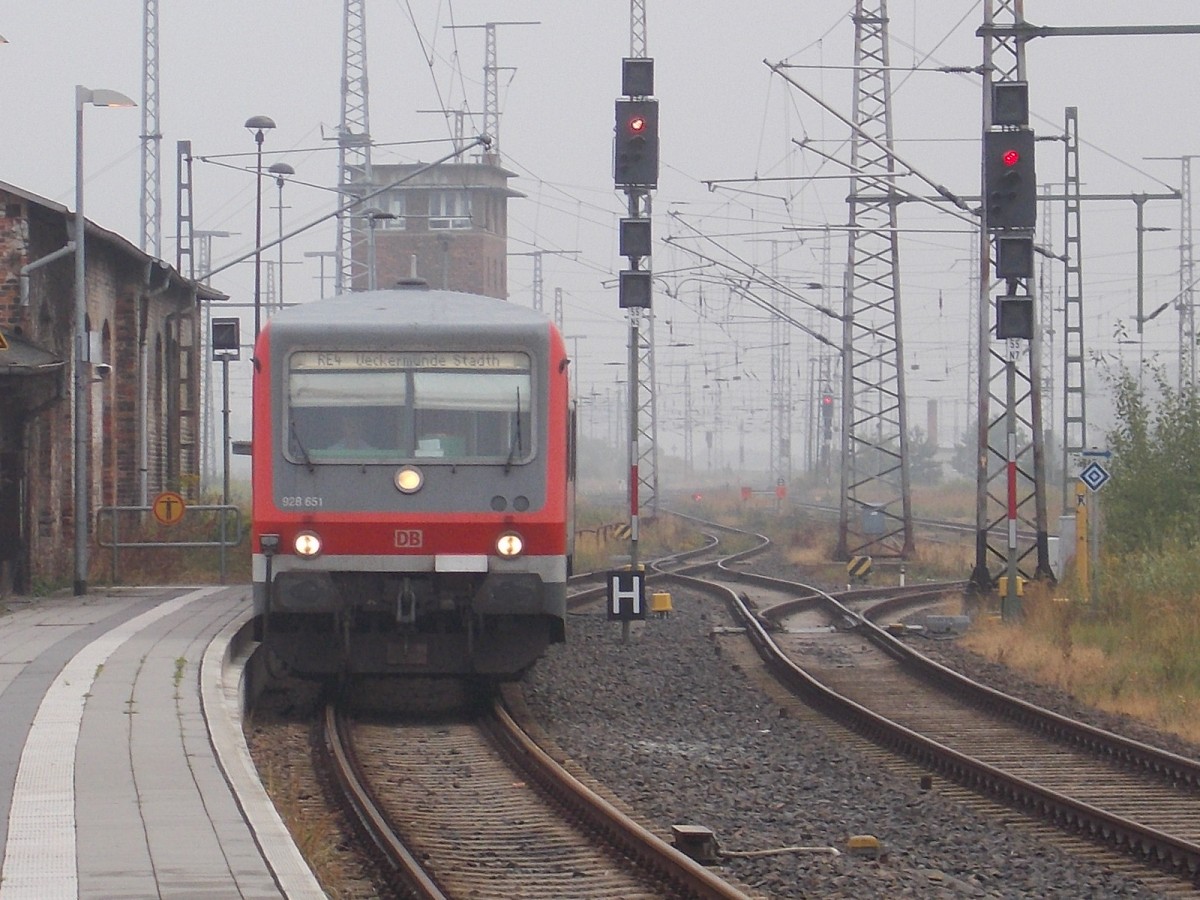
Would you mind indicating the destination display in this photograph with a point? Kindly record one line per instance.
(398, 360)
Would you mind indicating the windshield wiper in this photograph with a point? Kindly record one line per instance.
(515, 445)
(300, 446)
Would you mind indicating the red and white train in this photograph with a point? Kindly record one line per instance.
(413, 479)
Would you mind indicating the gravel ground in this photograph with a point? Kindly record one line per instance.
(673, 723)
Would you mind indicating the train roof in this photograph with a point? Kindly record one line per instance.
(406, 307)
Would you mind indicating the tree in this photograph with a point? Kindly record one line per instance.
(1154, 494)
(923, 468)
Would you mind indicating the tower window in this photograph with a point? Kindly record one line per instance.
(449, 210)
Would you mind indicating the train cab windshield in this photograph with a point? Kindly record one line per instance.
(419, 406)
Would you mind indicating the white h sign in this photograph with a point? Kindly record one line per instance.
(625, 595)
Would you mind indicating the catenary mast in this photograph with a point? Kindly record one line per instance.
(876, 507)
(354, 141)
(1012, 537)
(151, 193)
(645, 448)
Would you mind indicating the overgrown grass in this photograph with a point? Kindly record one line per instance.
(1131, 651)
(807, 542)
(598, 545)
(953, 500)
(315, 832)
(938, 560)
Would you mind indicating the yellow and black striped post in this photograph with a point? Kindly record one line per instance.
(858, 568)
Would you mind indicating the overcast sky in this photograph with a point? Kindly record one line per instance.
(724, 116)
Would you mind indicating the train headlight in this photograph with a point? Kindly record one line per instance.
(307, 544)
(408, 480)
(510, 545)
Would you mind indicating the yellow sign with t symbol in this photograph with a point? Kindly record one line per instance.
(169, 508)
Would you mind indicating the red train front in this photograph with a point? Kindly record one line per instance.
(413, 485)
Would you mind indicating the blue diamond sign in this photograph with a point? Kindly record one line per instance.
(1094, 475)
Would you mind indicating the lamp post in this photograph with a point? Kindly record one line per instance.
(374, 216)
(280, 169)
(258, 125)
(83, 96)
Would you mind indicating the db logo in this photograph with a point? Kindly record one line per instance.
(409, 538)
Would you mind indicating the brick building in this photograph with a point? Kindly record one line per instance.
(448, 225)
(143, 383)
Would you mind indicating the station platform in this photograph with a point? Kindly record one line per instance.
(123, 771)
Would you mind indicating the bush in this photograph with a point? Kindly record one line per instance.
(1153, 496)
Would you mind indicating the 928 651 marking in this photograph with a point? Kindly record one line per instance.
(296, 502)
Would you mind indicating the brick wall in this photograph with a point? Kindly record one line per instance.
(471, 261)
(131, 317)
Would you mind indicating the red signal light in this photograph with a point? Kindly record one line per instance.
(827, 400)
(635, 148)
(1010, 158)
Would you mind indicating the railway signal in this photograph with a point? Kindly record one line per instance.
(1014, 256)
(827, 414)
(1014, 317)
(635, 289)
(1010, 183)
(635, 238)
(635, 154)
(1010, 103)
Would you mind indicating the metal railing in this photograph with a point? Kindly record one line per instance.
(226, 530)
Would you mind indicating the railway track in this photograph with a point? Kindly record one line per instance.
(1134, 798)
(864, 693)
(471, 807)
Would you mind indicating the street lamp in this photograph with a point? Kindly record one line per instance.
(83, 96)
(280, 169)
(258, 125)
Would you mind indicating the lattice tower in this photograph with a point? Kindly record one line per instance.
(781, 382)
(1187, 294)
(876, 506)
(1009, 418)
(644, 448)
(1074, 435)
(151, 193)
(354, 148)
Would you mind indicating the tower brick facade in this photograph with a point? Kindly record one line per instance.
(448, 225)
